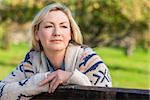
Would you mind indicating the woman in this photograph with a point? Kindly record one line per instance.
(57, 58)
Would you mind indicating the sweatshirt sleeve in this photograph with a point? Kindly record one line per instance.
(92, 70)
(79, 78)
(22, 83)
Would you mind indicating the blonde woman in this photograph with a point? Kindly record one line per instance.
(57, 57)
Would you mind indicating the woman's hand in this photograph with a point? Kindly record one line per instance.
(55, 78)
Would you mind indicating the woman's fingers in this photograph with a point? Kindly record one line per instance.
(49, 77)
(52, 84)
(56, 84)
(55, 79)
(61, 76)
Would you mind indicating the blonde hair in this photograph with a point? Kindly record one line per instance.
(76, 36)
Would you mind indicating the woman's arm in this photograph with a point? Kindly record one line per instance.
(23, 82)
(92, 71)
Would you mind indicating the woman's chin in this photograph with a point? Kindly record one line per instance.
(56, 47)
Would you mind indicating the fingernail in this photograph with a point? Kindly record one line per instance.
(52, 91)
(49, 91)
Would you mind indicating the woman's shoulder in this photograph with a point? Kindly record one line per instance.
(31, 54)
(86, 49)
(32, 60)
(87, 52)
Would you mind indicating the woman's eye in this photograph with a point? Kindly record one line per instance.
(49, 26)
(64, 26)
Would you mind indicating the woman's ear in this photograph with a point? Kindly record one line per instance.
(37, 36)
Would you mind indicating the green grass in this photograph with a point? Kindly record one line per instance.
(10, 58)
(126, 72)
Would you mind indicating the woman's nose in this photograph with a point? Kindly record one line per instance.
(56, 31)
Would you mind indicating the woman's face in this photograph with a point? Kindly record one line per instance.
(54, 31)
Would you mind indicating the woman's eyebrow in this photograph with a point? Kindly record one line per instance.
(49, 22)
(64, 23)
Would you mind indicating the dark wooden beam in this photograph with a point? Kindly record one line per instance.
(75, 92)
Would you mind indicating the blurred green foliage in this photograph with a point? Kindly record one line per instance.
(124, 23)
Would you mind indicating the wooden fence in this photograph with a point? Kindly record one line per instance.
(75, 92)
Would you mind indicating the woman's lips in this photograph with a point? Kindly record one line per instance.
(56, 40)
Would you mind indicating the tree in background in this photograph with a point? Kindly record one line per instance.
(113, 22)
(103, 22)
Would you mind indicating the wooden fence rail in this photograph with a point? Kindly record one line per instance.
(75, 92)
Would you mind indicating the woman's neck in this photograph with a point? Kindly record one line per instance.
(56, 58)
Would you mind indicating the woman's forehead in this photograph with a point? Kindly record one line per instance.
(56, 16)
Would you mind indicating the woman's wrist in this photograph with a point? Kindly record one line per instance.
(68, 79)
